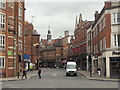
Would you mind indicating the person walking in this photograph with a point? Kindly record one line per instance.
(24, 74)
(39, 73)
(99, 71)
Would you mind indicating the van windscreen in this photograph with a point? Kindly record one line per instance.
(71, 66)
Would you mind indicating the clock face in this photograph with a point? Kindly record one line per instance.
(49, 36)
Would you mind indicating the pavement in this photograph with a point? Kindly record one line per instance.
(86, 74)
(30, 74)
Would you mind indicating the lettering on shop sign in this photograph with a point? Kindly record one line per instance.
(116, 53)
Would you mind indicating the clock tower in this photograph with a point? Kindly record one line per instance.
(49, 36)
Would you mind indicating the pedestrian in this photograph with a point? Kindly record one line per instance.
(39, 73)
(99, 71)
(90, 72)
(24, 74)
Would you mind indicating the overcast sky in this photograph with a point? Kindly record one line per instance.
(59, 15)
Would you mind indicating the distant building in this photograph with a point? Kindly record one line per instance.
(79, 47)
(51, 51)
(11, 37)
(32, 45)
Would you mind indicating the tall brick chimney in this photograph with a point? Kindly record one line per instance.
(107, 4)
(66, 33)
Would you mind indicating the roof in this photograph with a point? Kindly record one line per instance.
(35, 33)
(59, 43)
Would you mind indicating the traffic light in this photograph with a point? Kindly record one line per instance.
(19, 57)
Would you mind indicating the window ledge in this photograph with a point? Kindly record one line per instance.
(115, 24)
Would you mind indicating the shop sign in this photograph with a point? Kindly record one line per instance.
(116, 53)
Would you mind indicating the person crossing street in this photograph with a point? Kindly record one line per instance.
(24, 74)
(39, 73)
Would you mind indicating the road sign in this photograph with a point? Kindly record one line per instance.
(26, 56)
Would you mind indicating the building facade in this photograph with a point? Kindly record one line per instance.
(105, 37)
(51, 51)
(11, 37)
(32, 46)
(79, 47)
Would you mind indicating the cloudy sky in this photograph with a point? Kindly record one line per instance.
(59, 14)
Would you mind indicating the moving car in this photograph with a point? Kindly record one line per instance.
(71, 68)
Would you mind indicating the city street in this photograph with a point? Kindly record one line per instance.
(55, 78)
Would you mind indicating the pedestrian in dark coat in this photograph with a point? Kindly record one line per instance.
(39, 73)
(24, 74)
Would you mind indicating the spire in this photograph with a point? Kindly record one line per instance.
(49, 32)
(80, 18)
(76, 23)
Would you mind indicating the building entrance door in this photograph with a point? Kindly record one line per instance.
(115, 67)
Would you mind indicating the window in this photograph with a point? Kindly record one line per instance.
(104, 22)
(20, 13)
(2, 62)
(116, 17)
(104, 43)
(101, 43)
(100, 25)
(2, 21)
(20, 30)
(2, 42)
(2, 4)
(116, 38)
(20, 46)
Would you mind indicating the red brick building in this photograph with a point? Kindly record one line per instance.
(32, 45)
(51, 51)
(105, 40)
(11, 37)
(79, 47)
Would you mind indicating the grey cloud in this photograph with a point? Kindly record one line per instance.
(61, 16)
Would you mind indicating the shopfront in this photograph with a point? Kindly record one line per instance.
(114, 67)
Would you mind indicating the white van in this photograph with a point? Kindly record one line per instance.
(71, 68)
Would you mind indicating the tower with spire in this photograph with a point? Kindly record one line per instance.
(49, 36)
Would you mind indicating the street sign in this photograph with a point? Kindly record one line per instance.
(26, 56)
(10, 53)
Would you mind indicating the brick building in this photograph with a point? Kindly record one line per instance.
(11, 37)
(105, 38)
(51, 51)
(32, 45)
(79, 47)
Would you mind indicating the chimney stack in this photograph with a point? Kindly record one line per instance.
(96, 15)
(107, 4)
(66, 33)
(80, 18)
